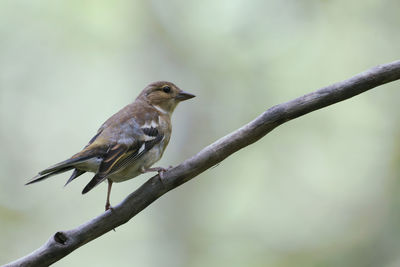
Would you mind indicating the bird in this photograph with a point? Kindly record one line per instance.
(128, 143)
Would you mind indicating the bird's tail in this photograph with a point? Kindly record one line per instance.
(61, 167)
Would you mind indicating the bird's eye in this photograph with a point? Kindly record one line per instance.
(166, 89)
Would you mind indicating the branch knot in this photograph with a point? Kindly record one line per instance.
(60, 238)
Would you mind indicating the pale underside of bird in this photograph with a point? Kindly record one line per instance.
(128, 143)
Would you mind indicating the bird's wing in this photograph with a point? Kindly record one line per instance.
(122, 154)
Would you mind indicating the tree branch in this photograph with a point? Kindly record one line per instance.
(64, 242)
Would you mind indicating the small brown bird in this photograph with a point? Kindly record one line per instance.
(128, 143)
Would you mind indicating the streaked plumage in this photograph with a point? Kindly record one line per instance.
(128, 143)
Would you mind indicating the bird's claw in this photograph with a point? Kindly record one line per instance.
(162, 170)
(161, 173)
(109, 207)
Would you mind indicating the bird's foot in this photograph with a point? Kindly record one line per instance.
(160, 171)
(108, 206)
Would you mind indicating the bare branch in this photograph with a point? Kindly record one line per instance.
(64, 242)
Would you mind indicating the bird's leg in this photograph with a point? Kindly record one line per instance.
(108, 206)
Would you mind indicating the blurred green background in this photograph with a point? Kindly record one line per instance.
(322, 190)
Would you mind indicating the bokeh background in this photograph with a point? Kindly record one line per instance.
(322, 190)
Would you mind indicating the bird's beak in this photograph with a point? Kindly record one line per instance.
(182, 95)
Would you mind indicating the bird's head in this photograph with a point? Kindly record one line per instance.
(164, 96)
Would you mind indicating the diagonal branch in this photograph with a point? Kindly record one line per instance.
(64, 242)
